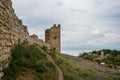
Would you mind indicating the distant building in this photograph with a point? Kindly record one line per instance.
(102, 55)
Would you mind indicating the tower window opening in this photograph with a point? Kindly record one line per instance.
(54, 49)
(55, 37)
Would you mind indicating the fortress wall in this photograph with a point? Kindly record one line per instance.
(12, 30)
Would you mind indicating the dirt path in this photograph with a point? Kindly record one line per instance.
(60, 74)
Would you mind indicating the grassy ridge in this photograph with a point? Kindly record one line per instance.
(72, 71)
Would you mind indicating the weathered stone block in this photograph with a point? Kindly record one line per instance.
(1, 43)
(1, 68)
(1, 74)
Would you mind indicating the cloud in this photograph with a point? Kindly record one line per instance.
(60, 3)
(95, 31)
(78, 10)
(108, 38)
(112, 37)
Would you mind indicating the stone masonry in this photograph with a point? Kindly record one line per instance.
(13, 31)
(52, 37)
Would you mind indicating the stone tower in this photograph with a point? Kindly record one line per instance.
(52, 36)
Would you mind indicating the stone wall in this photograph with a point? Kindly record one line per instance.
(52, 36)
(12, 30)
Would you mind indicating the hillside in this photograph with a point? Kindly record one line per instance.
(110, 58)
(31, 62)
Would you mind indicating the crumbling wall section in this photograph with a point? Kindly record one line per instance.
(12, 30)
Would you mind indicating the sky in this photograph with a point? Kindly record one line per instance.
(86, 25)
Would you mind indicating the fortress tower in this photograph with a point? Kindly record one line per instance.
(52, 36)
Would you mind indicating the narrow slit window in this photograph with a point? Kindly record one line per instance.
(55, 37)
